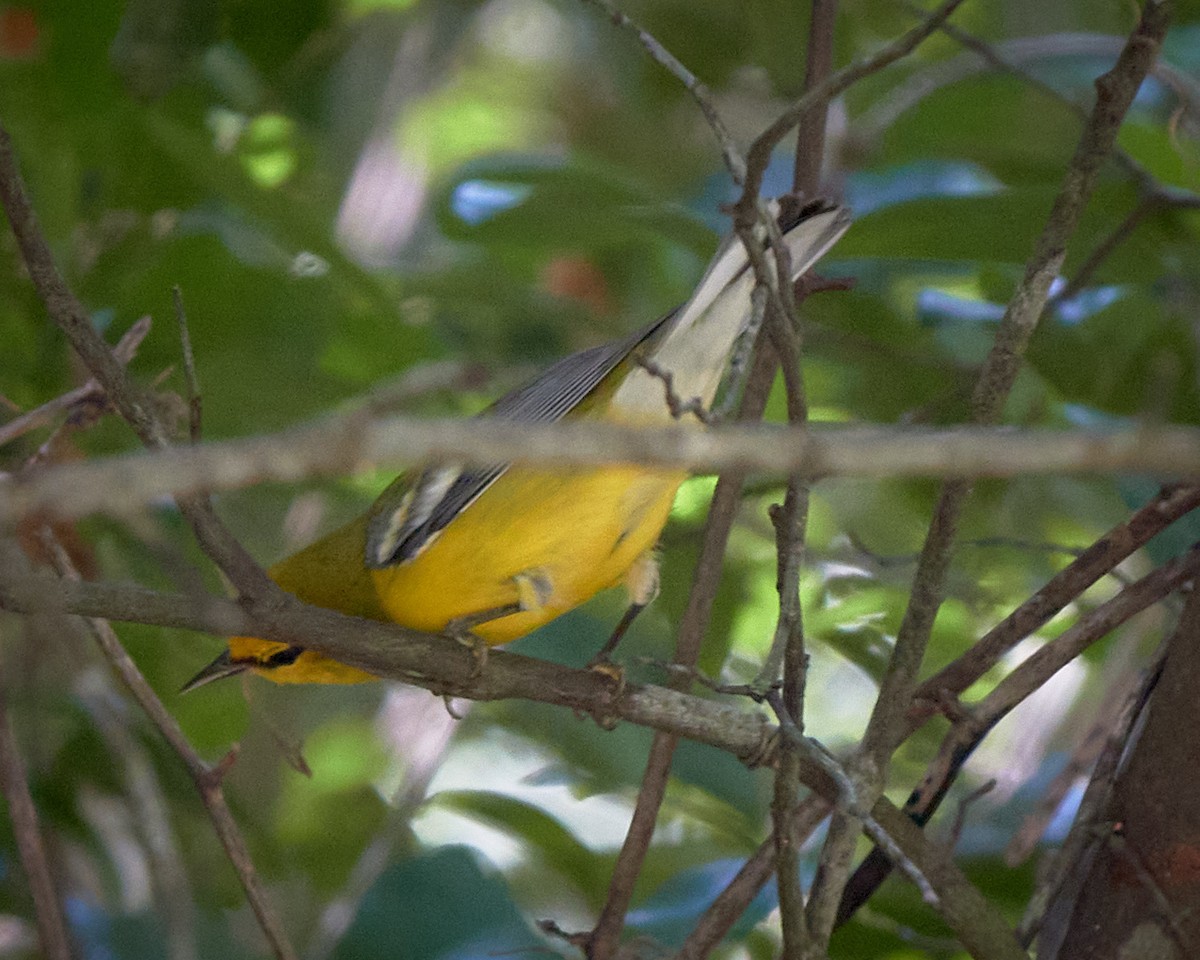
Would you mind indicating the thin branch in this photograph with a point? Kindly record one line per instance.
(700, 93)
(692, 628)
(136, 406)
(1115, 92)
(943, 688)
(52, 931)
(447, 667)
(791, 519)
(713, 925)
(1007, 58)
(338, 445)
(790, 524)
(1035, 670)
(207, 779)
(810, 127)
(877, 743)
(386, 650)
(975, 723)
(676, 405)
(172, 891)
(605, 936)
(1116, 545)
(979, 926)
(90, 392)
(964, 807)
(760, 151)
(194, 396)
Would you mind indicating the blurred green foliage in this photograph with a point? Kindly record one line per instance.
(349, 191)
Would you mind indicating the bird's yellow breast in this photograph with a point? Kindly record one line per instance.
(575, 532)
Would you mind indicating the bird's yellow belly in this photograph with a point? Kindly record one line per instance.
(560, 536)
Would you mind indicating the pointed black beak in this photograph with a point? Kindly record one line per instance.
(222, 667)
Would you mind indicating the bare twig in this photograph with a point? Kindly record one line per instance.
(676, 405)
(336, 445)
(387, 650)
(124, 351)
(980, 927)
(1035, 670)
(138, 408)
(964, 806)
(791, 522)
(976, 922)
(195, 398)
(732, 902)
(52, 932)
(810, 127)
(134, 405)
(1105, 248)
(206, 779)
(839, 82)
(687, 652)
(973, 725)
(729, 150)
(446, 666)
(1117, 544)
(1115, 93)
(605, 937)
(1007, 57)
(172, 891)
(740, 371)
(791, 519)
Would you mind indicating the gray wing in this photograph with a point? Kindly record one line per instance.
(405, 518)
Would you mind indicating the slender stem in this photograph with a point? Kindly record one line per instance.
(692, 628)
(207, 779)
(134, 405)
(760, 150)
(52, 931)
(1115, 92)
(661, 55)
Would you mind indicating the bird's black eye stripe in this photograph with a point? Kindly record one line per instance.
(284, 657)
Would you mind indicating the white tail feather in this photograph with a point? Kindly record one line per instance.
(695, 346)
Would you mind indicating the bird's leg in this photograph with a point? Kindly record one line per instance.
(642, 583)
(534, 590)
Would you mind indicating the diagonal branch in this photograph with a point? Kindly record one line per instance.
(135, 405)
(760, 151)
(206, 779)
(14, 785)
(692, 628)
(1115, 92)
(700, 93)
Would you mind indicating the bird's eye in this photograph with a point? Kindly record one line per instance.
(284, 657)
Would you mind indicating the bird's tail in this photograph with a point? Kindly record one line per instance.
(694, 345)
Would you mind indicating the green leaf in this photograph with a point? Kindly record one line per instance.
(554, 845)
(441, 905)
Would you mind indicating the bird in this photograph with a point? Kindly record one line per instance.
(489, 554)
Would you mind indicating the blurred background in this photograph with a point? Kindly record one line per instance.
(415, 205)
